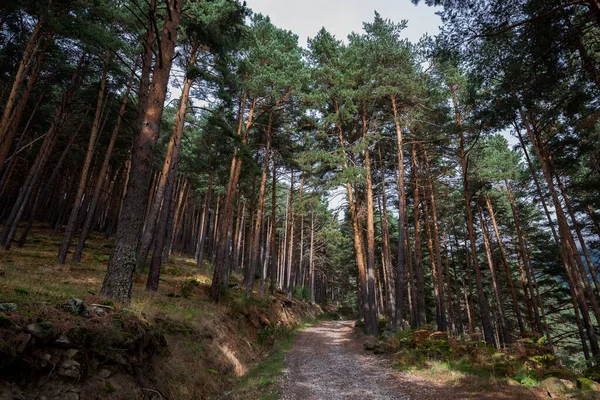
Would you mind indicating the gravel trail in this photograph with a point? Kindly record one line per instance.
(324, 363)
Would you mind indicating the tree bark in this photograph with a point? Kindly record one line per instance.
(119, 275)
(401, 261)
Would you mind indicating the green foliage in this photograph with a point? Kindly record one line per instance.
(188, 286)
(586, 384)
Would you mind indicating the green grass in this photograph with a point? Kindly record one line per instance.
(263, 381)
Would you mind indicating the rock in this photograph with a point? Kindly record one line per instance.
(63, 340)
(70, 396)
(25, 339)
(104, 373)
(69, 368)
(72, 353)
(388, 334)
(96, 310)
(370, 344)
(552, 385)
(74, 306)
(568, 384)
(8, 307)
(41, 330)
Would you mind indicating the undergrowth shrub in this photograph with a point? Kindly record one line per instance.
(527, 360)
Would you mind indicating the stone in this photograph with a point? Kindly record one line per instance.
(69, 364)
(72, 353)
(370, 344)
(552, 385)
(8, 307)
(568, 384)
(25, 339)
(63, 340)
(96, 310)
(104, 373)
(74, 306)
(41, 330)
(69, 368)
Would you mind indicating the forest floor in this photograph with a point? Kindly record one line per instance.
(328, 361)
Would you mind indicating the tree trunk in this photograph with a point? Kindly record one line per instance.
(258, 222)
(28, 54)
(439, 273)
(370, 224)
(401, 221)
(228, 201)
(420, 295)
(502, 328)
(119, 275)
(509, 279)
(203, 228)
(488, 329)
(172, 154)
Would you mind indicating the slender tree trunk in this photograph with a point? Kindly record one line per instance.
(370, 223)
(401, 261)
(386, 250)
(503, 329)
(488, 329)
(509, 279)
(15, 119)
(258, 222)
(273, 243)
(368, 313)
(204, 222)
(24, 65)
(420, 295)
(228, 201)
(439, 273)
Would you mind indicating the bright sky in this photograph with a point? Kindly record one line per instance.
(342, 17)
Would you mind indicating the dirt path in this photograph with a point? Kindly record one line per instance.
(327, 361)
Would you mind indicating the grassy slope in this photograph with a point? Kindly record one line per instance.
(210, 345)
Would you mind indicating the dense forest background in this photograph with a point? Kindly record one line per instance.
(369, 172)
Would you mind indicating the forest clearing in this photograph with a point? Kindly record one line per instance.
(184, 185)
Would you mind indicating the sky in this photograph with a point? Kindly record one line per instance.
(342, 17)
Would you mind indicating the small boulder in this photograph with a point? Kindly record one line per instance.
(41, 330)
(370, 344)
(568, 384)
(74, 306)
(63, 341)
(104, 373)
(96, 310)
(70, 369)
(552, 385)
(8, 307)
